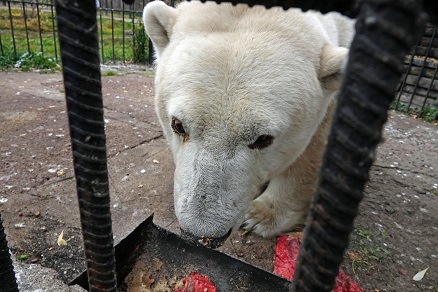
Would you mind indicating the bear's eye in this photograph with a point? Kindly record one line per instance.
(262, 142)
(178, 127)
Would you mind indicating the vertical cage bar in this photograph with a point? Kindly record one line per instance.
(39, 26)
(417, 80)
(12, 30)
(55, 45)
(434, 73)
(405, 77)
(112, 30)
(429, 88)
(1, 44)
(79, 45)
(150, 52)
(25, 26)
(132, 12)
(375, 66)
(101, 34)
(123, 30)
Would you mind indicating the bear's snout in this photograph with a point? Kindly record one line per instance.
(210, 242)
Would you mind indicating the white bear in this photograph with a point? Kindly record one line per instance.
(245, 98)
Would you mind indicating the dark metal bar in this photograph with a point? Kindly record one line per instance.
(82, 81)
(403, 84)
(54, 33)
(151, 52)
(417, 81)
(429, 88)
(112, 29)
(25, 27)
(133, 31)
(8, 282)
(123, 31)
(101, 34)
(434, 74)
(39, 26)
(12, 30)
(385, 31)
(1, 44)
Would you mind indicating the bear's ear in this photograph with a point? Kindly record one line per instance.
(158, 19)
(332, 64)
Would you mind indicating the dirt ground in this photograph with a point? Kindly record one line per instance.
(395, 235)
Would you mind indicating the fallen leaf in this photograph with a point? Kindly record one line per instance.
(352, 255)
(61, 241)
(60, 172)
(419, 276)
(398, 225)
(140, 186)
(155, 161)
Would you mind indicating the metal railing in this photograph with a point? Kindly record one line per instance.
(418, 91)
(29, 26)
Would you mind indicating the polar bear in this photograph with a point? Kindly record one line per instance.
(245, 98)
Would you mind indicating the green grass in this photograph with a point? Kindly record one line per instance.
(26, 61)
(111, 49)
(367, 250)
(428, 114)
(109, 73)
(22, 257)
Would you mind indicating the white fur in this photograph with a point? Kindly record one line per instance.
(231, 74)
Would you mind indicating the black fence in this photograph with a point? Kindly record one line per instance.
(418, 91)
(29, 27)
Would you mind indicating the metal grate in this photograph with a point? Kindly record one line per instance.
(418, 90)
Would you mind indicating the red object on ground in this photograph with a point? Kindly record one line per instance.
(286, 254)
(195, 282)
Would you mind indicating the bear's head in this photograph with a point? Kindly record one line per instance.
(239, 93)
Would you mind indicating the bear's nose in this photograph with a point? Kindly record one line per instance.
(210, 242)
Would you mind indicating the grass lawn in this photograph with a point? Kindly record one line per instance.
(116, 37)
